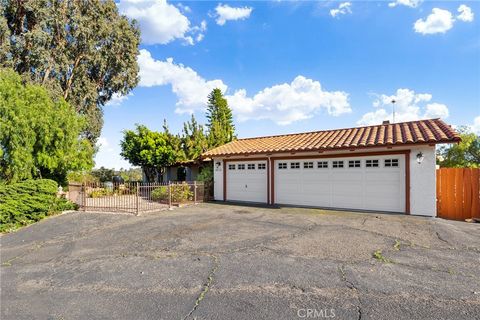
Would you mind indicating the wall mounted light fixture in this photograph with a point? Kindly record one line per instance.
(420, 157)
(218, 164)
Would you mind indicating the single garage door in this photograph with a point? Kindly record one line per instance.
(367, 183)
(247, 181)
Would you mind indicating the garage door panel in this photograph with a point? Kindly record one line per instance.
(246, 184)
(347, 176)
(372, 188)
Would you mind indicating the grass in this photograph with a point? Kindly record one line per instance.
(380, 257)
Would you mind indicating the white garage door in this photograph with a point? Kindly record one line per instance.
(247, 181)
(367, 183)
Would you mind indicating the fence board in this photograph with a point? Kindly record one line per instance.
(458, 191)
(476, 193)
(467, 194)
(438, 188)
(458, 196)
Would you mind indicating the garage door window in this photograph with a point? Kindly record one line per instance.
(371, 163)
(322, 164)
(337, 164)
(251, 166)
(241, 167)
(231, 167)
(308, 165)
(295, 165)
(261, 166)
(391, 162)
(282, 165)
(354, 163)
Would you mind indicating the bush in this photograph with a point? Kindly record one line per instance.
(180, 193)
(29, 201)
(206, 174)
(160, 193)
(100, 192)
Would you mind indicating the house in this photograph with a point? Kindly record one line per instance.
(182, 170)
(386, 167)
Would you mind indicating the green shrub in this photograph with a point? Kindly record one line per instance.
(160, 193)
(180, 193)
(100, 192)
(26, 202)
(206, 174)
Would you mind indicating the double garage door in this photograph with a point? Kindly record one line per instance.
(366, 183)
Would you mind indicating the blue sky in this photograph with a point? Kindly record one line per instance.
(293, 66)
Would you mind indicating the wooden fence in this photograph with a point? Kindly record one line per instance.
(458, 195)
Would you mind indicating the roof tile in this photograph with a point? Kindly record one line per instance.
(421, 131)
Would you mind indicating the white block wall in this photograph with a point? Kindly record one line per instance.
(218, 179)
(423, 193)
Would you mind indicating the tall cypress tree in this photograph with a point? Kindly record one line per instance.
(220, 125)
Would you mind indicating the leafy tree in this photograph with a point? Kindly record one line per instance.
(81, 176)
(220, 125)
(84, 51)
(465, 154)
(194, 139)
(103, 174)
(39, 136)
(132, 174)
(175, 142)
(149, 149)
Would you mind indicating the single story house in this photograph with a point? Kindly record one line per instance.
(182, 171)
(387, 167)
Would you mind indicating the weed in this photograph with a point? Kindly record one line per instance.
(380, 257)
(397, 244)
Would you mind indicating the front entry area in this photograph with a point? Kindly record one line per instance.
(246, 181)
(364, 183)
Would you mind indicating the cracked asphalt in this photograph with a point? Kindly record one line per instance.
(216, 261)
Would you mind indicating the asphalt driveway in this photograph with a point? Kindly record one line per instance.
(215, 261)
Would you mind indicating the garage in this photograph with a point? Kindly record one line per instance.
(247, 181)
(389, 167)
(365, 183)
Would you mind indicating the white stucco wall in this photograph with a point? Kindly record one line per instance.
(423, 194)
(218, 179)
(422, 178)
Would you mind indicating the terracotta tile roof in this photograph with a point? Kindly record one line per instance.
(423, 131)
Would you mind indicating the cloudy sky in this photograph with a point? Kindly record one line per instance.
(293, 66)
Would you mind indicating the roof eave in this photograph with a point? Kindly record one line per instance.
(398, 145)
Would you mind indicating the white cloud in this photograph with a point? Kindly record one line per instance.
(343, 8)
(465, 13)
(283, 103)
(289, 102)
(408, 106)
(224, 13)
(102, 142)
(109, 157)
(436, 110)
(408, 3)
(160, 22)
(184, 8)
(117, 99)
(476, 125)
(439, 21)
(190, 88)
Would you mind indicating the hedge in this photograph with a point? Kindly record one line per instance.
(29, 201)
